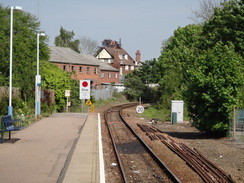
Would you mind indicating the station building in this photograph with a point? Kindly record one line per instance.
(84, 67)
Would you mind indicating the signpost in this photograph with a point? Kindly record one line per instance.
(140, 108)
(84, 91)
(67, 94)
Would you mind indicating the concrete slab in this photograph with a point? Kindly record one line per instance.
(84, 164)
(39, 152)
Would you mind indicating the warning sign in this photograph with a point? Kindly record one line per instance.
(88, 102)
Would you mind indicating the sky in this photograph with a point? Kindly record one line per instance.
(140, 24)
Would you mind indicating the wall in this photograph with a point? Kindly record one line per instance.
(106, 78)
(84, 74)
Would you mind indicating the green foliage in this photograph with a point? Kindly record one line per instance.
(47, 109)
(24, 112)
(226, 25)
(134, 87)
(74, 96)
(4, 106)
(57, 79)
(214, 87)
(25, 28)
(204, 66)
(65, 40)
(155, 112)
(177, 56)
(149, 71)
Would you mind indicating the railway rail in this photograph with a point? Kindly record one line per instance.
(137, 162)
(207, 170)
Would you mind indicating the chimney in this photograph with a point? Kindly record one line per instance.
(138, 57)
(116, 63)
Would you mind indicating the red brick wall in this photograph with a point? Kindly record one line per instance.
(82, 74)
(95, 76)
(109, 77)
(128, 69)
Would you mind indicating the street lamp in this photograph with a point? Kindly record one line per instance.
(38, 81)
(10, 108)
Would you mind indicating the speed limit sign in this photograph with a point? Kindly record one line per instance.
(139, 109)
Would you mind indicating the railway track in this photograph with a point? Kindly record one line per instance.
(137, 162)
(207, 170)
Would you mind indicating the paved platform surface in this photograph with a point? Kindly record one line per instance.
(60, 148)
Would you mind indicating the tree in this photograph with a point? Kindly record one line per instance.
(57, 79)
(176, 57)
(148, 72)
(206, 10)
(87, 45)
(203, 64)
(65, 39)
(133, 87)
(25, 29)
(214, 88)
(226, 25)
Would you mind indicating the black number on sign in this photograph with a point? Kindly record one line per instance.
(139, 109)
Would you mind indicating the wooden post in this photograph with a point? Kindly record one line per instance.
(234, 123)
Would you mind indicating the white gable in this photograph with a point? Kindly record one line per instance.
(104, 54)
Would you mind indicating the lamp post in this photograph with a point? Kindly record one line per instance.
(38, 81)
(10, 108)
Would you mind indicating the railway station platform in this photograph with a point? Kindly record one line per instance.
(63, 148)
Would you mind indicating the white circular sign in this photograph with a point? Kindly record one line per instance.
(139, 109)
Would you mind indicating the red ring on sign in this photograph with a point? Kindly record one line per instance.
(85, 84)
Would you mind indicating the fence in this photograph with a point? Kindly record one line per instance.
(236, 127)
(103, 94)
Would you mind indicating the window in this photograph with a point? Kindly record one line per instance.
(72, 68)
(132, 67)
(80, 70)
(88, 70)
(116, 75)
(120, 70)
(102, 75)
(95, 70)
(64, 67)
(127, 67)
(109, 75)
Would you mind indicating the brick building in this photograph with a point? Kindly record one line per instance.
(84, 67)
(117, 57)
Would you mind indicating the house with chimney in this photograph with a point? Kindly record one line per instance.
(84, 67)
(113, 54)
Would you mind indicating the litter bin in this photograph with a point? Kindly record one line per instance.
(174, 117)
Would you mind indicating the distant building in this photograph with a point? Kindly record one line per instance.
(117, 57)
(84, 67)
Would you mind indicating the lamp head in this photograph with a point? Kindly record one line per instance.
(18, 8)
(41, 34)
